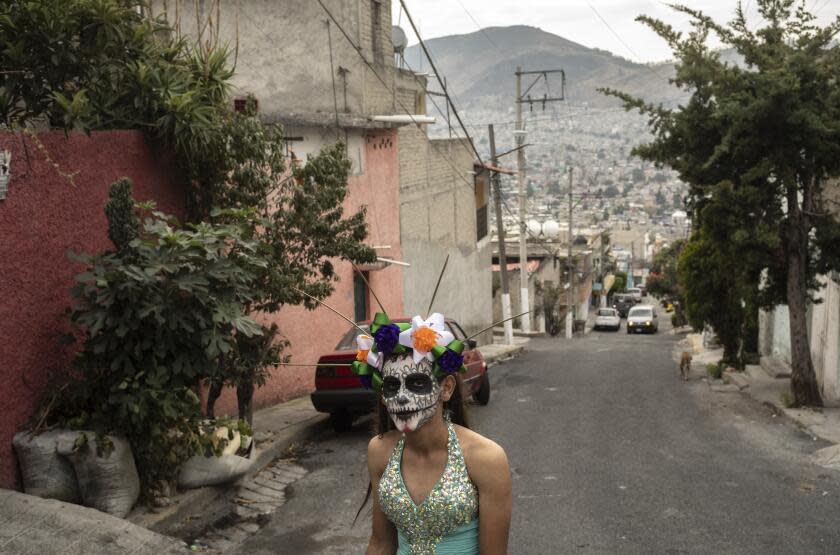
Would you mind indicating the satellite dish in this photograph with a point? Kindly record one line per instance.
(399, 39)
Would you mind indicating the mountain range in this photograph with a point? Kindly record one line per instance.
(480, 67)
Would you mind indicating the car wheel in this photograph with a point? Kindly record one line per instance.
(341, 421)
(482, 396)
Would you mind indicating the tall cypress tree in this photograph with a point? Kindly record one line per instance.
(767, 132)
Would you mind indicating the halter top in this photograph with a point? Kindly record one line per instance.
(446, 523)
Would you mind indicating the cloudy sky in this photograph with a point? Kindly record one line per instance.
(577, 20)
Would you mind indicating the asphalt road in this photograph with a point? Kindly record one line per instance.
(610, 453)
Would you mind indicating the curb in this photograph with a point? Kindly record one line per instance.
(187, 505)
(504, 355)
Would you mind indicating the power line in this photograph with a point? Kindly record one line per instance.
(389, 89)
(482, 31)
(621, 40)
(438, 77)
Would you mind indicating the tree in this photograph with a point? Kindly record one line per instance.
(663, 278)
(156, 317)
(611, 191)
(296, 218)
(620, 283)
(769, 132)
(711, 293)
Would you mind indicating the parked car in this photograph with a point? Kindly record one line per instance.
(623, 303)
(636, 293)
(341, 394)
(607, 319)
(642, 319)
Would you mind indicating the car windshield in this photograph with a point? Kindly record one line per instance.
(348, 342)
(606, 312)
(641, 313)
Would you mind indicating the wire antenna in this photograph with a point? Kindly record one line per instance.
(491, 326)
(325, 305)
(367, 284)
(440, 277)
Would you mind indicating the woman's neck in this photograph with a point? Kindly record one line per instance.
(431, 436)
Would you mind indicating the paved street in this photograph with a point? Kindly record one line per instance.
(610, 453)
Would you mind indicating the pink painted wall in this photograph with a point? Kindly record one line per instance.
(316, 332)
(43, 217)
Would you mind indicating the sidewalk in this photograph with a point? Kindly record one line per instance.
(33, 525)
(275, 430)
(755, 382)
(497, 352)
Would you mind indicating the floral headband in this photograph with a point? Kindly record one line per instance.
(427, 339)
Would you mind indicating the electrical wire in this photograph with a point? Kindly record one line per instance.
(438, 77)
(391, 90)
(482, 31)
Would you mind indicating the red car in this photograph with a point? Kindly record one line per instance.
(341, 394)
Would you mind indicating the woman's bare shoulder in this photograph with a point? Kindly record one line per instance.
(482, 455)
(380, 448)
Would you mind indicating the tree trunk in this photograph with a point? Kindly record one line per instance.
(212, 395)
(245, 399)
(803, 379)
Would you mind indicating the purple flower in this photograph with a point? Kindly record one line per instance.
(366, 381)
(450, 361)
(387, 337)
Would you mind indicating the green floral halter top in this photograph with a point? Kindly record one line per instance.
(448, 515)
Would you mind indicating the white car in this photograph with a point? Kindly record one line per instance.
(642, 319)
(607, 319)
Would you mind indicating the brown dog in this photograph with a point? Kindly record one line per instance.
(685, 365)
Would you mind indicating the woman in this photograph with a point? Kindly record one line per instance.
(438, 487)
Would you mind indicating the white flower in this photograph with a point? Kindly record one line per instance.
(364, 343)
(435, 323)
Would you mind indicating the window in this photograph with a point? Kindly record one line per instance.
(376, 30)
(360, 297)
(481, 223)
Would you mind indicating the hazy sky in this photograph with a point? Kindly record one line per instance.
(576, 20)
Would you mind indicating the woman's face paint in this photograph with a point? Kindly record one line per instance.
(410, 391)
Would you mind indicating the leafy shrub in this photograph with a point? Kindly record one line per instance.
(715, 370)
(156, 318)
(787, 400)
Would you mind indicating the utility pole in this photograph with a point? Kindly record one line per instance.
(500, 234)
(522, 98)
(570, 311)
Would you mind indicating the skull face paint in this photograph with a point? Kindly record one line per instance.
(410, 391)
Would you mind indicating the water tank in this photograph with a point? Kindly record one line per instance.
(534, 227)
(551, 228)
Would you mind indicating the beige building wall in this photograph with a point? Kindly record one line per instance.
(438, 218)
(284, 51)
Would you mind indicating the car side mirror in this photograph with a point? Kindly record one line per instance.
(472, 343)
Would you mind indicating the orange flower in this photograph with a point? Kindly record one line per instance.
(425, 339)
(361, 355)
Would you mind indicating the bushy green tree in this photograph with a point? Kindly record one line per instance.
(102, 64)
(769, 131)
(156, 317)
(711, 293)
